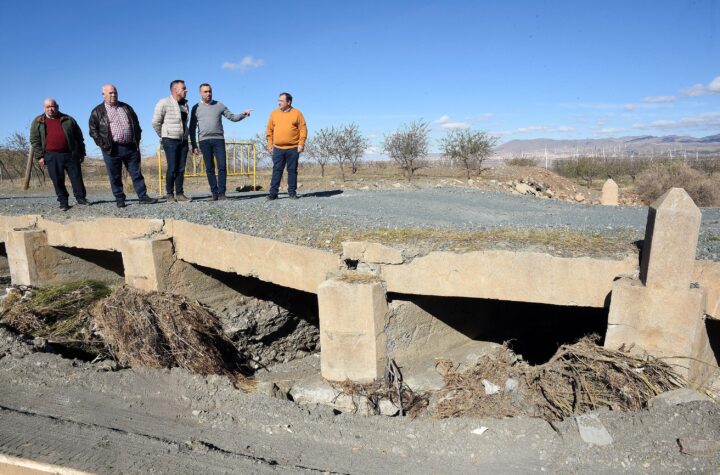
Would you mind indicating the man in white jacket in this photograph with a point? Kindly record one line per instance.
(170, 121)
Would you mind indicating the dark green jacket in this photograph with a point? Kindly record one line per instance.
(73, 135)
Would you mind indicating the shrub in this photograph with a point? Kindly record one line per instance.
(660, 177)
(521, 162)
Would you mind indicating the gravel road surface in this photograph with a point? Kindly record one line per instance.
(358, 210)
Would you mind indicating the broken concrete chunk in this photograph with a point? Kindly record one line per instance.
(700, 447)
(592, 431)
(678, 396)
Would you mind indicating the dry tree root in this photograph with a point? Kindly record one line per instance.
(160, 330)
(579, 378)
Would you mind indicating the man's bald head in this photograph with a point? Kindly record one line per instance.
(51, 107)
(109, 93)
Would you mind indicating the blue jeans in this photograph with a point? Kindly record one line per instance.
(127, 155)
(282, 157)
(209, 148)
(57, 165)
(176, 151)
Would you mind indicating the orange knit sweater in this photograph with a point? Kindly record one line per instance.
(286, 129)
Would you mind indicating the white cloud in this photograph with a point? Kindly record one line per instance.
(532, 128)
(629, 107)
(535, 128)
(714, 86)
(446, 124)
(610, 130)
(484, 117)
(702, 90)
(245, 64)
(704, 121)
(658, 99)
(639, 126)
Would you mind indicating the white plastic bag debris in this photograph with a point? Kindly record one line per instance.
(480, 430)
(490, 388)
(511, 385)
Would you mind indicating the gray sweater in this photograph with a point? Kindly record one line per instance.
(207, 118)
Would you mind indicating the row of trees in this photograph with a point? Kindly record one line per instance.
(344, 145)
(407, 147)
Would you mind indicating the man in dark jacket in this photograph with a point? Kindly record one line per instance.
(57, 143)
(116, 130)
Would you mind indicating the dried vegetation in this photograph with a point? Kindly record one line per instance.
(579, 378)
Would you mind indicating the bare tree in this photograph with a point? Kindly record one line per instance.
(408, 145)
(351, 145)
(468, 148)
(14, 154)
(321, 147)
(261, 151)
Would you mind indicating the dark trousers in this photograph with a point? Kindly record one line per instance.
(129, 156)
(57, 165)
(281, 158)
(176, 155)
(210, 148)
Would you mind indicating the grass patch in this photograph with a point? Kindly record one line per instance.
(59, 314)
(554, 241)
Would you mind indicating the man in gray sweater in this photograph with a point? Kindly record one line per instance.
(206, 118)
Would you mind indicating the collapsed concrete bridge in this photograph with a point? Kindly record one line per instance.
(658, 303)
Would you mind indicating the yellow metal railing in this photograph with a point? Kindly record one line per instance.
(241, 161)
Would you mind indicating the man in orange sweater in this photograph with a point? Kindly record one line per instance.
(286, 134)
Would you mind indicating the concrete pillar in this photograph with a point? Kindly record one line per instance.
(22, 250)
(609, 193)
(671, 237)
(147, 262)
(352, 336)
(660, 313)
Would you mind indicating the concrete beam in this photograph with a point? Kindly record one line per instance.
(352, 336)
(707, 275)
(292, 266)
(513, 276)
(104, 234)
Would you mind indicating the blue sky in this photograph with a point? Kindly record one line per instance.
(557, 69)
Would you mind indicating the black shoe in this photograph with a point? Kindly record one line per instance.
(120, 204)
(146, 200)
(64, 207)
(83, 201)
(294, 197)
(270, 197)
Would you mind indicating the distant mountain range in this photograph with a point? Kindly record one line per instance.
(643, 145)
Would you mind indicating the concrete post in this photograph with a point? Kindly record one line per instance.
(671, 238)
(352, 330)
(660, 313)
(21, 248)
(609, 193)
(147, 263)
